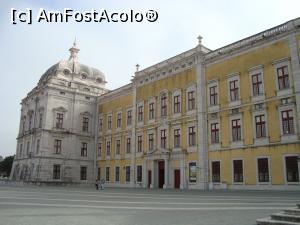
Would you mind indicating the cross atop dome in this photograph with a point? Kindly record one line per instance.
(74, 50)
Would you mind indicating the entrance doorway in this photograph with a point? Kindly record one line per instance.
(161, 174)
(176, 178)
(149, 178)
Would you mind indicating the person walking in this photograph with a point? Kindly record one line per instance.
(97, 184)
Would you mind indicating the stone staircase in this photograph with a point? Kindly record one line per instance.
(287, 217)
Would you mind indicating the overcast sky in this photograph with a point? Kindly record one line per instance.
(27, 51)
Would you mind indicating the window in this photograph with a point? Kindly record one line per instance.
(163, 139)
(257, 85)
(107, 174)
(292, 172)
(191, 100)
(176, 138)
(109, 122)
(263, 170)
(260, 126)
(118, 147)
(41, 120)
(27, 149)
(287, 122)
(119, 120)
(37, 150)
(214, 133)
(100, 124)
(83, 173)
(59, 120)
(85, 124)
(236, 130)
(192, 136)
(151, 111)
(83, 149)
(139, 173)
(234, 90)
(21, 149)
(151, 142)
(57, 146)
(177, 104)
(192, 172)
(23, 125)
(99, 173)
(238, 171)
(108, 148)
(215, 167)
(163, 102)
(140, 114)
(213, 95)
(283, 78)
(128, 145)
(30, 122)
(129, 117)
(99, 149)
(117, 177)
(56, 172)
(127, 173)
(140, 144)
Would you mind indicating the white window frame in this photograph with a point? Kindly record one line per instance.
(286, 138)
(232, 77)
(108, 130)
(210, 84)
(117, 113)
(236, 144)
(139, 154)
(128, 155)
(280, 63)
(117, 138)
(253, 71)
(191, 148)
(284, 169)
(151, 100)
(132, 118)
(177, 149)
(167, 103)
(269, 168)
(190, 88)
(176, 92)
(108, 140)
(140, 104)
(211, 172)
(262, 140)
(232, 167)
(214, 146)
(151, 132)
(159, 138)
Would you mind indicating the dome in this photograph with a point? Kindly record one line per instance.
(73, 66)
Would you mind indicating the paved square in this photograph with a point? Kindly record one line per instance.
(72, 206)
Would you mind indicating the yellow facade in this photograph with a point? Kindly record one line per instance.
(273, 151)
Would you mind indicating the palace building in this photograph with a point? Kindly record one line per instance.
(204, 119)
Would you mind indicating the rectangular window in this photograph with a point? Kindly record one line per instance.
(100, 124)
(41, 120)
(109, 122)
(118, 147)
(140, 144)
(151, 142)
(21, 149)
(59, 120)
(139, 173)
(129, 117)
(283, 77)
(99, 149)
(263, 170)
(213, 95)
(163, 139)
(117, 174)
(127, 173)
(37, 146)
(215, 167)
(287, 122)
(83, 172)
(177, 104)
(56, 172)
(163, 102)
(140, 114)
(151, 111)
(30, 122)
(257, 84)
(234, 90)
(292, 172)
(83, 149)
(27, 149)
(57, 146)
(119, 120)
(260, 126)
(191, 100)
(108, 148)
(236, 130)
(238, 171)
(192, 136)
(128, 145)
(214, 133)
(85, 124)
(177, 138)
(107, 173)
(192, 172)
